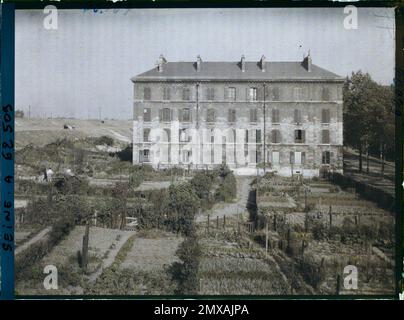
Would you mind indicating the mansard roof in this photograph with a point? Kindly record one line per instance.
(233, 71)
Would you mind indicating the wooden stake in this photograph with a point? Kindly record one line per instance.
(266, 237)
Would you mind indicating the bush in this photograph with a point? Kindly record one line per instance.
(186, 272)
(227, 189)
(202, 183)
(311, 272)
(104, 140)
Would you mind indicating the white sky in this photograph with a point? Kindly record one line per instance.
(86, 64)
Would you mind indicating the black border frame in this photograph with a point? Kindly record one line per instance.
(7, 86)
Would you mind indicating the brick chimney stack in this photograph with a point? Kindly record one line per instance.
(263, 63)
(242, 63)
(198, 63)
(307, 62)
(160, 63)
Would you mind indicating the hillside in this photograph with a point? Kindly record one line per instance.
(40, 132)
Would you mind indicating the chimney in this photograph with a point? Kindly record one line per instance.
(307, 62)
(160, 63)
(262, 63)
(242, 63)
(198, 63)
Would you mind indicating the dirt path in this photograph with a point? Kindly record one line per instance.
(117, 245)
(41, 235)
(229, 209)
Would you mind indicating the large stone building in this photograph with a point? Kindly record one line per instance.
(200, 114)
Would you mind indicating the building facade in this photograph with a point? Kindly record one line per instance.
(285, 117)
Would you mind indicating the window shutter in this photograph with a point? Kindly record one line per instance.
(292, 157)
(303, 157)
(171, 114)
(160, 115)
(303, 136)
(247, 94)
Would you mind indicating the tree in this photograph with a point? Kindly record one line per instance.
(368, 116)
(183, 204)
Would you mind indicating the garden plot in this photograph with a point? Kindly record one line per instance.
(101, 242)
(104, 244)
(228, 268)
(375, 275)
(152, 254)
(326, 231)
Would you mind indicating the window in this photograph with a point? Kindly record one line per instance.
(325, 136)
(146, 135)
(275, 157)
(292, 157)
(253, 94)
(186, 94)
(299, 136)
(210, 94)
(246, 136)
(166, 94)
(325, 116)
(145, 155)
(258, 136)
(326, 157)
(231, 93)
(275, 94)
(232, 116)
(184, 136)
(186, 155)
(253, 115)
(185, 115)
(165, 115)
(297, 93)
(275, 116)
(326, 94)
(167, 132)
(297, 158)
(276, 136)
(211, 115)
(146, 114)
(297, 118)
(146, 93)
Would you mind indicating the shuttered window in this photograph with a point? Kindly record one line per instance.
(275, 136)
(299, 136)
(297, 117)
(253, 115)
(232, 116)
(185, 115)
(210, 93)
(146, 93)
(186, 94)
(165, 115)
(146, 114)
(325, 116)
(325, 136)
(211, 115)
(275, 116)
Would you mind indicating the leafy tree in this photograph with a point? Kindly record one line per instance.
(183, 204)
(368, 116)
(185, 273)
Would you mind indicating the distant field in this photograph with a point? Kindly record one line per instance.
(40, 132)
